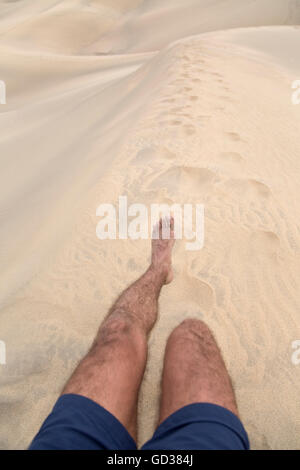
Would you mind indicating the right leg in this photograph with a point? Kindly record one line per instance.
(194, 371)
(198, 407)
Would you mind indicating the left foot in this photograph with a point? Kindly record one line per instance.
(161, 260)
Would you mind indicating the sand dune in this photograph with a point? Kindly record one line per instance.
(155, 23)
(162, 102)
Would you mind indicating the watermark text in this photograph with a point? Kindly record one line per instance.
(2, 92)
(2, 353)
(296, 94)
(135, 221)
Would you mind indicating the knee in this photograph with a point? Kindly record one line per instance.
(190, 328)
(113, 329)
(120, 330)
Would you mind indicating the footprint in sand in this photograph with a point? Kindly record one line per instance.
(234, 136)
(189, 129)
(195, 180)
(248, 188)
(204, 118)
(149, 155)
(176, 110)
(199, 293)
(168, 100)
(166, 154)
(231, 159)
(229, 100)
(145, 156)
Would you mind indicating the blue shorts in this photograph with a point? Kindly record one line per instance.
(78, 423)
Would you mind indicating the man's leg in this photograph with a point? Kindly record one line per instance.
(198, 407)
(112, 371)
(194, 371)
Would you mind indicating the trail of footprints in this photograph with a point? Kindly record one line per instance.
(181, 111)
(189, 87)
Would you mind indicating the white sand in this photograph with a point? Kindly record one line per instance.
(107, 98)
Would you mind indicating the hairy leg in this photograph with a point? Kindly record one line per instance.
(112, 371)
(194, 370)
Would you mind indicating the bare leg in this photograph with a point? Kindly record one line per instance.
(112, 371)
(194, 371)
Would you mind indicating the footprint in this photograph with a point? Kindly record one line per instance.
(184, 178)
(145, 156)
(168, 100)
(230, 157)
(189, 129)
(149, 154)
(248, 188)
(235, 137)
(216, 74)
(176, 110)
(167, 154)
(198, 292)
(204, 117)
(261, 188)
(229, 100)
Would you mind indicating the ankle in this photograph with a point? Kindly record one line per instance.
(159, 273)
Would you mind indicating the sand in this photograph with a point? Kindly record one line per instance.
(163, 101)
